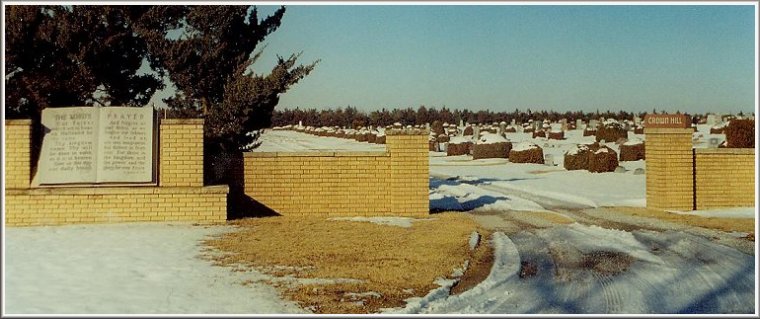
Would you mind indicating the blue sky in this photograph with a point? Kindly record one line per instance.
(502, 57)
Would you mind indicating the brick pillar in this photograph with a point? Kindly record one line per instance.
(669, 168)
(181, 152)
(410, 171)
(18, 137)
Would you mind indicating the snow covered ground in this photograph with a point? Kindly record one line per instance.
(499, 184)
(291, 141)
(126, 269)
(634, 273)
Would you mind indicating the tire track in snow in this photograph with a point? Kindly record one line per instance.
(612, 299)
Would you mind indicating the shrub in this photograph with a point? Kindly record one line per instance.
(560, 135)
(589, 132)
(443, 138)
(632, 151)
(577, 158)
(469, 130)
(611, 131)
(491, 146)
(437, 127)
(458, 146)
(603, 159)
(718, 129)
(510, 129)
(526, 152)
(539, 133)
(741, 134)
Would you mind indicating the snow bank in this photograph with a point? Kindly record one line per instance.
(742, 212)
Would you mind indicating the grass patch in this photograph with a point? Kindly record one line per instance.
(546, 217)
(388, 264)
(746, 225)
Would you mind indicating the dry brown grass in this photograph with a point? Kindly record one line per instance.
(395, 262)
(723, 224)
(545, 217)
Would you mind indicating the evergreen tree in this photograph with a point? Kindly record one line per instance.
(210, 63)
(73, 56)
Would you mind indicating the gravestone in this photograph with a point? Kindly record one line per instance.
(713, 142)
(636, 120)
(712, 119)
(563, 124)
(549, 160)
(97, 145)
(578, 124)
(592, 124)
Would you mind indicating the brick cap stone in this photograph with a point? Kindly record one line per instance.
(405, 131)
(187, 121)
(668, 131)
(216, 189)
(724, 151)
(317, 154)
(18, 122)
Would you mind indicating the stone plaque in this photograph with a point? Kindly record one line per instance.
(97, 145)
(667, 121)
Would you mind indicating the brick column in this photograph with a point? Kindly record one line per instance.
(410, 171)
(18, 135)
(669, 168)
(181, 152)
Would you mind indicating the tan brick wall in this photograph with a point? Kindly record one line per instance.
(17, 153)
(391, 183)
(57, 206)
(669, 169)
(725, 178)
(179, 197)
(181, 152)
(409, 171)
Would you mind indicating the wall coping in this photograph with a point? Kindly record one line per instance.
(186, 121)
(668, 131)
(723, 151)
(405, 131)
(318, 154)
(216, 189)
(18, 122)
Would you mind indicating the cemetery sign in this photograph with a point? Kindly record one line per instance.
(667, 121)
(97, 145)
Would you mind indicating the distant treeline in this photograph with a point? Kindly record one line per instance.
(351, 117)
